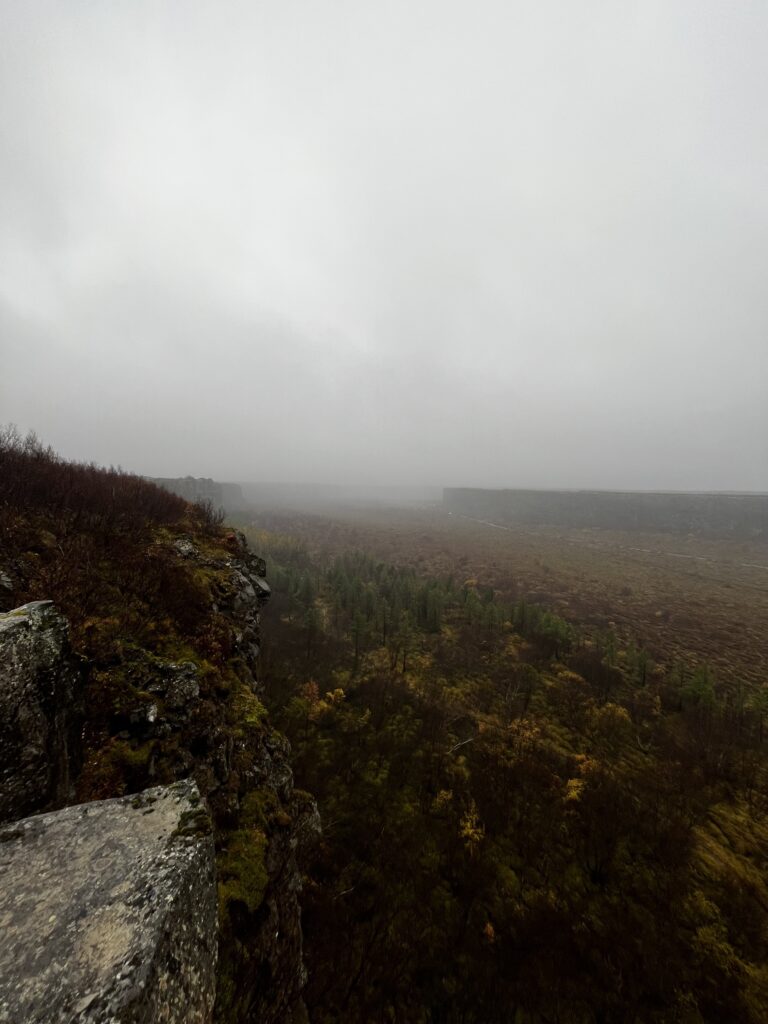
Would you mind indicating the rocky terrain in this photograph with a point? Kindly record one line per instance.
(129, 659)
(41, 710)
(120, 923)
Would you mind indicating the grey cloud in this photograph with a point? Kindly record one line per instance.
(485, 244)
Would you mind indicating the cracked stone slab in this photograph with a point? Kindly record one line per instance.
(108, 912)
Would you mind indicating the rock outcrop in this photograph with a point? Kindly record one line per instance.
(40, 710)
(262, 973)
(177, 700)
(108, 912)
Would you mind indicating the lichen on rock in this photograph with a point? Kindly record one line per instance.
(109, 912)
(171, 690)
(40, 710)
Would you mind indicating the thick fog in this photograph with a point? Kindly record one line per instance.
(461, 243)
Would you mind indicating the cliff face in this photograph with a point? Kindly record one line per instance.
(151, 705)
(243, 768)
(41, 710)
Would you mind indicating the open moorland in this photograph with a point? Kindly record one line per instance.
(684, 599)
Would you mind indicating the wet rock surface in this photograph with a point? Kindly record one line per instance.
(178, 683)
(154, 716)
(40, 710)
(108, 912)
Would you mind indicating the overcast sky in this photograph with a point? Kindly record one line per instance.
(429, 241)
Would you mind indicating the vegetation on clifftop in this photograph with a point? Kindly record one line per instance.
(146, 582)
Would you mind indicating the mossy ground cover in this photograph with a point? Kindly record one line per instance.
(242, 871)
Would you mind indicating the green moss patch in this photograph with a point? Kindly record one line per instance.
(242, 870)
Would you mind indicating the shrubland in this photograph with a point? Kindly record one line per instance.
(524, 821)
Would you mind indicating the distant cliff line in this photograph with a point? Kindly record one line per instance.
(203, 489)
(717, 515)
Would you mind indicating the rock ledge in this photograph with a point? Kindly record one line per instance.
(108, 912)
